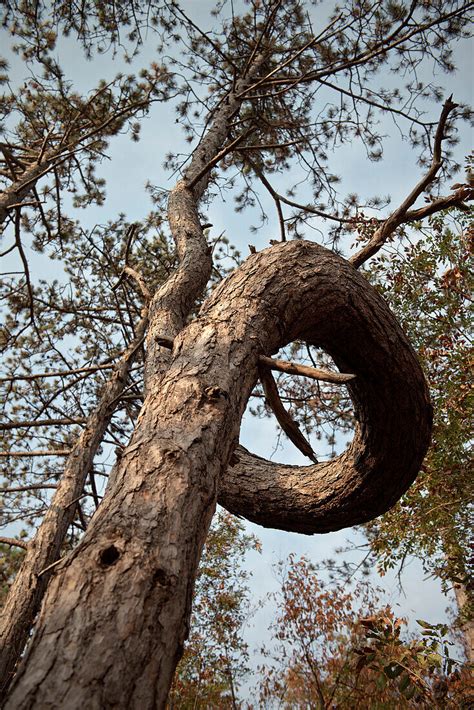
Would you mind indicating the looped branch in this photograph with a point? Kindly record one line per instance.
(319, 298)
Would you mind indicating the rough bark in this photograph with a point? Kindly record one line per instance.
(174, 301)
(27, 591)
(464, 604)
(116, 612)
(169, 310)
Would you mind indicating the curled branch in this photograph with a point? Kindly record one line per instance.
(321, 299)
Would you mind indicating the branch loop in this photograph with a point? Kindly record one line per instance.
(311, 294)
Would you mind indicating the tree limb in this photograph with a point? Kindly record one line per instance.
(314, 373)
(401, 214)
(285, 420)
(6, 426)
(13, 542)
(27, 454)
(58, 373)
(28, 588)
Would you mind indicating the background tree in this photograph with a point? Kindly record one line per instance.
(337, 646)
(428, 283)
(251, 92)
(215, 656)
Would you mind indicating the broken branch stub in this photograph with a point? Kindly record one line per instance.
(314, 373)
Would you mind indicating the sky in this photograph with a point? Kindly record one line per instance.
(127, 169)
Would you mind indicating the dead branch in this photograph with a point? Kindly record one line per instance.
(30, 487)
(26, 454)
(6, 426)
(402, 215)
(58, 373)
(314, 373)
(287, 423)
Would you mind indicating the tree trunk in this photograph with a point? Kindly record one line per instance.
(169, 311)
(117, 609)
(27, 591)
(466, 624)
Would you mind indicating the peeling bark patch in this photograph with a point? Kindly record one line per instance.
(109, 556)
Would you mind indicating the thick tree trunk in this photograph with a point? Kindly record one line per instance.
(170, 308)
(116, 612)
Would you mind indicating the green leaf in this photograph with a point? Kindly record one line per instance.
(404, 683)
(434, 659)
(424, 624)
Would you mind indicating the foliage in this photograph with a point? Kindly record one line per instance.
(338, 647)
(215, 655)
(10, 560)
(428, 282)
(74, 322)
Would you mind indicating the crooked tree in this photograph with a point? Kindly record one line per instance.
(271, 88)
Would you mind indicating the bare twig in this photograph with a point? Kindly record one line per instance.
(315, 374)
(5, 426)
(30, 487)
(147, 295)
(26, 454)
(132, 230)
(53, 564)
(24, 260)
(279, 199)
(402, 215)
(59, 373)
